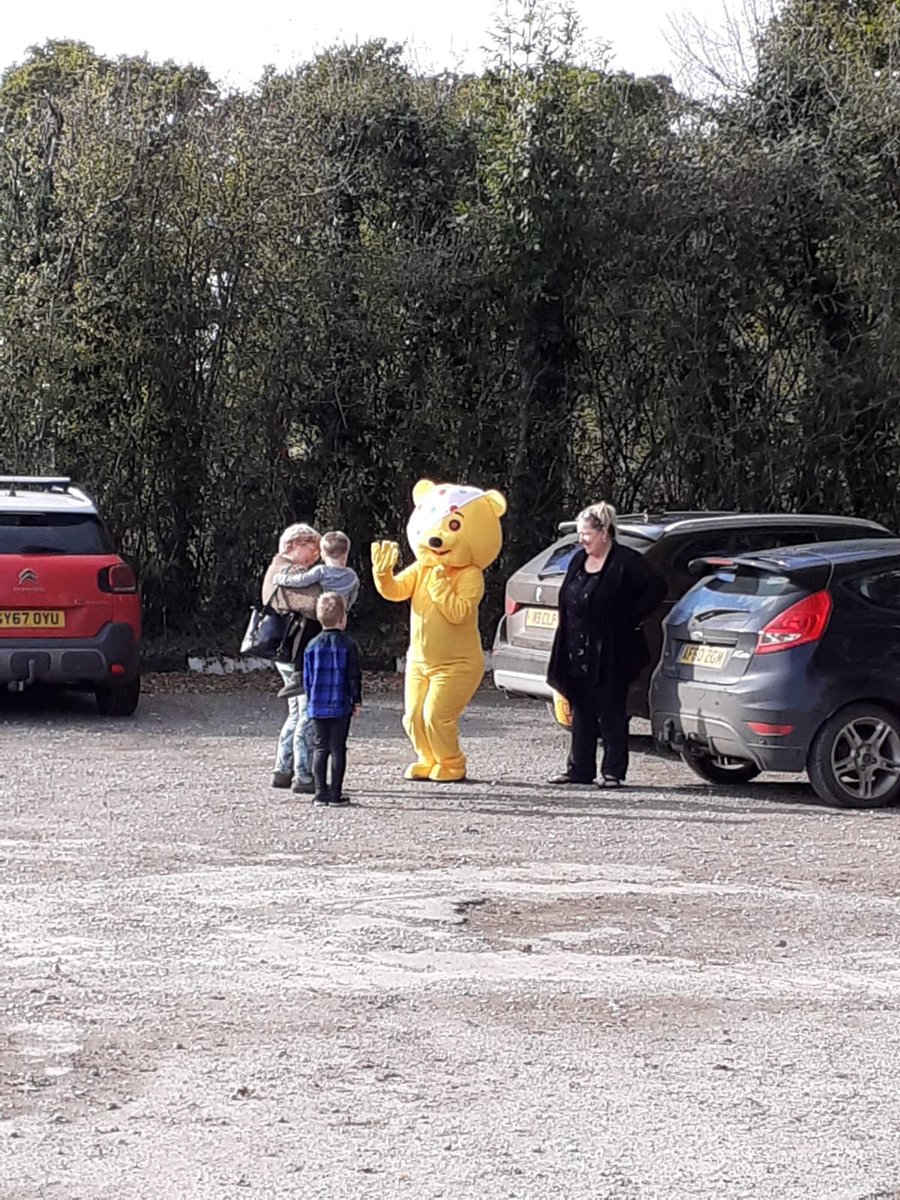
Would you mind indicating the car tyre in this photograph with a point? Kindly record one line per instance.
(720, 770)
(854, 759)
(118, 699)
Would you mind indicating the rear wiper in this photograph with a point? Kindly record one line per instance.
(37, 549)
(717, 612)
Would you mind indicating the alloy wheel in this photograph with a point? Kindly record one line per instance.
(865, 758)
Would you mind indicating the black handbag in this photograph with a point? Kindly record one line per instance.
(268, 631)
(265, 632)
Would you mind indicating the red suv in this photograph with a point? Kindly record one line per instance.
(70, 613)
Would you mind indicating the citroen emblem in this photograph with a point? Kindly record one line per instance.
(28, 576)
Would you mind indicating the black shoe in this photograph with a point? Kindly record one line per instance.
(564, 779)
(341, 801)
(281, 779)
(305, 786)
(610, 781)
(293, 687)
(318, 799)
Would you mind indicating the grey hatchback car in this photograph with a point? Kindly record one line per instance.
(787, 660)
(671, 542)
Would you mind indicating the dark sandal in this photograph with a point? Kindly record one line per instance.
(609, 782)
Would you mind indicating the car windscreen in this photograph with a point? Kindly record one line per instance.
(558, 561)
(52, 533)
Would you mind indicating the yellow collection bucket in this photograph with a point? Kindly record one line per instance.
(562, 710)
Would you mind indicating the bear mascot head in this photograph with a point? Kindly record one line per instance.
(455, 526)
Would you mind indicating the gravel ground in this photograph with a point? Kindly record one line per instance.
(492, 989)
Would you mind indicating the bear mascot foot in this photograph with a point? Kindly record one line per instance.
(443, 774)
(418, 770)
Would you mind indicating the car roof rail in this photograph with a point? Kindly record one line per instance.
(39, 483)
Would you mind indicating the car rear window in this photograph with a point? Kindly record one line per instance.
(744, 582)
(53, 533)
(558, 562)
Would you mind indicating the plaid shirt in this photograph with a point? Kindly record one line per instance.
(331, 675)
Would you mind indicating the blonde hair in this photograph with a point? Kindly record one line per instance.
(330, 609)
(601, 515)
(335, 544)
(298, 532)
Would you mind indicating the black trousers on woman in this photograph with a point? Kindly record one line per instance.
(329, 744)
(599, 712)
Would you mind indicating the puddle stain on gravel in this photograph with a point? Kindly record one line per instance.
(622, 929)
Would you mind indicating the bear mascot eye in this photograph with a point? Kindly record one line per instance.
(455, 525)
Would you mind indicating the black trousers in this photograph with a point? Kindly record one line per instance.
(329, 744)
(600, 712)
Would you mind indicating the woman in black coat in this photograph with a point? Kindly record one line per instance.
(599, 647)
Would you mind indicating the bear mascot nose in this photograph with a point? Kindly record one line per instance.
(435, 543)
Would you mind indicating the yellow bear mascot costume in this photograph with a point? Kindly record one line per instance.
(454, 533)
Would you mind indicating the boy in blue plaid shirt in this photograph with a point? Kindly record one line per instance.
(333, 682)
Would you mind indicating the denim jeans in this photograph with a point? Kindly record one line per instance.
(294, 755)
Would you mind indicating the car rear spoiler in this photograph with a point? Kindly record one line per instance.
(813, 571)
(699, 567)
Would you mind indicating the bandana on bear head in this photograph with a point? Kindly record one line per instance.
(439, 503)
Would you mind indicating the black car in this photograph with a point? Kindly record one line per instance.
(671, 541)
(789, 661)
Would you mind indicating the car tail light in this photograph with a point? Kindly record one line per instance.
(512, 606)
(118, 578)
(803, 622)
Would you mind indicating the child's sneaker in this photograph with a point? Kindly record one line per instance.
(318, 798)
(293, 687)
(282, 779)
(341, 800)
(304, 784)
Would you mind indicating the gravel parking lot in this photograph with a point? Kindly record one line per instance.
(491, 989)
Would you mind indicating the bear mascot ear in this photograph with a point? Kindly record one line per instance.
(421, 490)
(497, 502)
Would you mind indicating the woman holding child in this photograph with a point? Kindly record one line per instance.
(298, 549)
(292, 584)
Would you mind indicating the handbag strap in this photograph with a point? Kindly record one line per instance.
(268, 603)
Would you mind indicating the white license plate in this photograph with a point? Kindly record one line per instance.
(714, 657)
(541, 618)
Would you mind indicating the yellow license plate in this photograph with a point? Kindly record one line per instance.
(541, 618)
(32, 618)
(704, 656)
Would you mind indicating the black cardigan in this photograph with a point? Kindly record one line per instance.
(627, 593)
